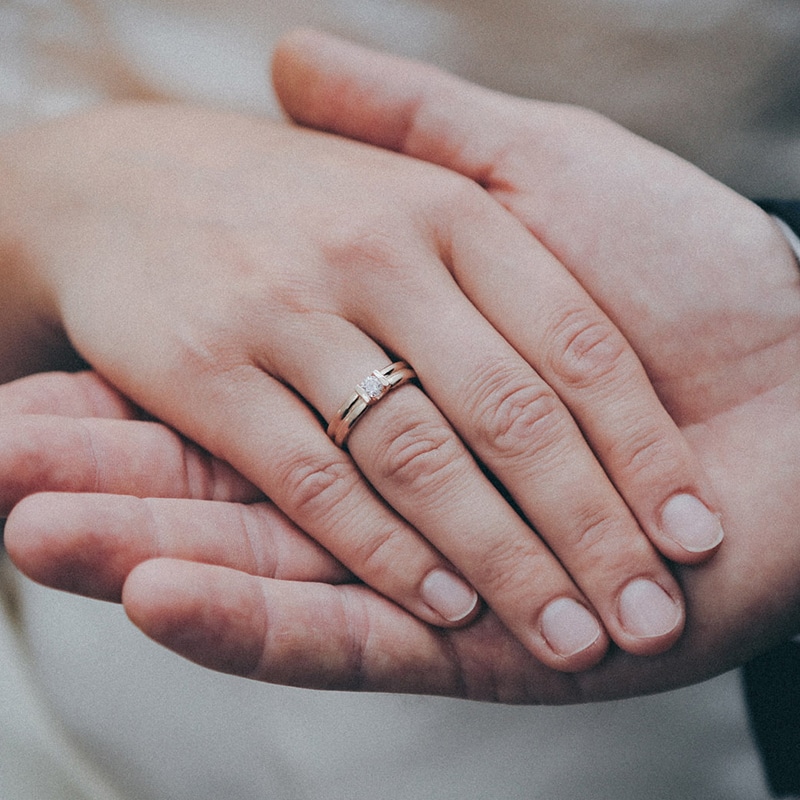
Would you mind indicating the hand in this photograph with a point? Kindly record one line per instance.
(708, 293)
(698, 279)
(127, 490)
(70, 442)
(252, 273)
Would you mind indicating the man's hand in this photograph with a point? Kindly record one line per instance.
(701, 283)
(698, 279)
(106, 490)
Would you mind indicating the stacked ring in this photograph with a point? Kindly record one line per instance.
(372, 389)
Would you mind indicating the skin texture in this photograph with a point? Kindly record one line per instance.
(706, 291)
(236, 278)
(110, 509)
(280, 609)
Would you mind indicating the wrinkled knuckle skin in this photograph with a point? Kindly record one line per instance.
(375, 554)
(593, 533)
(386, 263)
(314, 484)
(649, 455)
(509, 569)
(205, 349)
(585, 349)
(363, 247)
(418, 455)
(515, 417)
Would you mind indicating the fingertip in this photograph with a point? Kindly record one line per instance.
(574, 636)
(691, 531)
(298, 65)
(300, 42)
(60, 541)
(43, 544)
(24, 536)
(450, 597)
(332, 84)
(651, 616)
(309, 46)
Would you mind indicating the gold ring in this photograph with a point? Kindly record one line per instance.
(372, 389)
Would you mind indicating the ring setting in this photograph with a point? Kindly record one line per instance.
(368, 392)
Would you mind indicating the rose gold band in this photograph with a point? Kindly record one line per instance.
(372, 389)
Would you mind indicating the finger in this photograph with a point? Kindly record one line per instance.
(555, 326)
(324, 637)
(348, 638)
(46, 453)
(318, 486)
(66, 394)
(564, 172)
(331, 84)
(524, 434)
(431, 115)
(411, 455)
(88, 543)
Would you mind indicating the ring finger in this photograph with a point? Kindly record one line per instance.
(519, 427)
(409, 452)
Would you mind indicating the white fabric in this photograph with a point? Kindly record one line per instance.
(168, 729)
(714, 80)
(708, 78)
(37, 758)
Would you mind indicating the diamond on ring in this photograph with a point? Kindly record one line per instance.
(372, 387)
(367, 393)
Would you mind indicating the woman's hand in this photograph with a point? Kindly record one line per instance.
(236, 278)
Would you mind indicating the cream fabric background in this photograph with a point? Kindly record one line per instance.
(714, 80)
(164, 728)
(84, 695)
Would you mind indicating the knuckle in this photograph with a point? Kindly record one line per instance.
(386, 261)
(314, 483)
(260, 543)
(291, 292)
(585, 349)
(377, 552)
(363, 245)
(515, 416)
(418, 454)
(202, 349)
(509, 569)
(355, 616)
(648, 452)
(593, 533)
(196, 471)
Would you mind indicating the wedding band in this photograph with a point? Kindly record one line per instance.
(372, 389)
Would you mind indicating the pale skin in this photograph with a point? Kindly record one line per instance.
(706, 291)
(163, 243)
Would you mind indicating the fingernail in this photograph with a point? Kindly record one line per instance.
(568, 627)
(449, 595)
(687, 521)
(646, 610)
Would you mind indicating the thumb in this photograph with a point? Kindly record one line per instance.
(329, 84)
